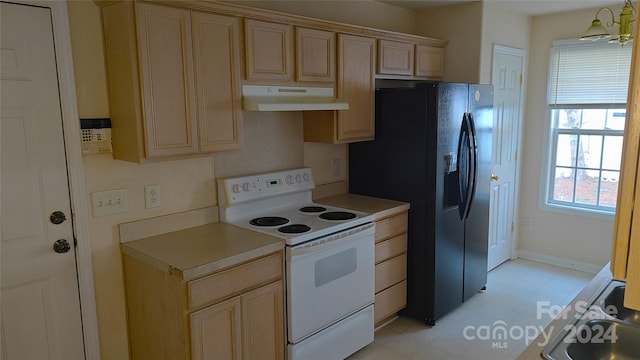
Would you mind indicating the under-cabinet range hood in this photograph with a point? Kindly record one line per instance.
(290, 98)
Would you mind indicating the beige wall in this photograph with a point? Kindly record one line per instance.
(501, 27)
(272, 141)
(579, 238)
(461, 25)
(480, 25)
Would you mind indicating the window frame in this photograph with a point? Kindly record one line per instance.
(556, 131)
(550, 148)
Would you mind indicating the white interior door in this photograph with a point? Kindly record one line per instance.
(40, 299)
(507, 78)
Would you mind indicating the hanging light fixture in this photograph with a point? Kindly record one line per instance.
(596, 31)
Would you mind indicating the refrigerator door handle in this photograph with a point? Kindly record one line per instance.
(473, 151)
(464, 167)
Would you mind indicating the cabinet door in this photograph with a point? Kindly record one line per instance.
(429, 61)
(263, 323)
(316, 52)
(625, 262)
(269, 49)
(164, 41)
(216, 332)
(356, 85)
(218, 85)
(395, 58)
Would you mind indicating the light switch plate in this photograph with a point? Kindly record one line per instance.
(109, 202)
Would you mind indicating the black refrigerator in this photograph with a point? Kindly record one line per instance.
(432, 148)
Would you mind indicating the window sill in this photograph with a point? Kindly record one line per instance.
(569, 210)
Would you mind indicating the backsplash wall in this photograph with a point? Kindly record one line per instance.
(272, 141)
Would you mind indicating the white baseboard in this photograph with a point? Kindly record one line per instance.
(557, 261)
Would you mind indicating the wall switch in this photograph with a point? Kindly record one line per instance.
(109, 202)
(527, 223)
(152, 196)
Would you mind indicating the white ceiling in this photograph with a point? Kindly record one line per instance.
(528, 7)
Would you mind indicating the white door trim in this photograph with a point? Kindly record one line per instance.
(501, 49)
(73, 152)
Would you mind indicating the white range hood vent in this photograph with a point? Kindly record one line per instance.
(287, 98)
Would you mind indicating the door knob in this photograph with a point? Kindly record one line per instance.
(495, 177)
(57, 217)
(61, 246)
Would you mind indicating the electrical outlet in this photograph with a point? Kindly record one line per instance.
(528, 224)
(152, 196)
(109, 202)
(336, 167)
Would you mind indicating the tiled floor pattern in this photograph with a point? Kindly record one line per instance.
(516, 292)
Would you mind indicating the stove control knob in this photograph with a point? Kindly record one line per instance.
(298, 178)
(236, 188)
(307, 177)
(246, 186)
(289, 179)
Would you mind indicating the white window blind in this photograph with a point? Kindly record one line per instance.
(586, 74)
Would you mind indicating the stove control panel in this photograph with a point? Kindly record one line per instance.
(254, 187)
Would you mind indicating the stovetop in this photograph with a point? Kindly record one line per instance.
(279, 204)
(317, 224)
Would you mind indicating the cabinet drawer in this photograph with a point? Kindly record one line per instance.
(390, 301)
(392, 247)
(235, 280)
(391, 272)
(391, 226)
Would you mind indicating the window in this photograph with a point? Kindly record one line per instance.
(587, 107)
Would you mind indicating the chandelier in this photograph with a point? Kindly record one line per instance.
(625, 33)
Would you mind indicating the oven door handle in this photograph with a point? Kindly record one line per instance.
(329, 241)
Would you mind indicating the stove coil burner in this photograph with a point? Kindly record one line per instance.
(312, 209)
(294, 229)
(337, 215)
(269, 221)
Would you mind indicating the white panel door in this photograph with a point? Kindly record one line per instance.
(507, 80)
(40, 298)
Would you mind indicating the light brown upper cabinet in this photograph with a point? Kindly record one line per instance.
(315, 55)
(269, 50)
(429, 61)
(216, 41)
(395, 58)
(355, 85)
(162, 63)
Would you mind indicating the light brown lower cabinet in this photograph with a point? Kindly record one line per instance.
(391, 266)
(234, 313)
(245, 327)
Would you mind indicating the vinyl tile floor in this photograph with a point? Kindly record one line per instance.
(521, 299)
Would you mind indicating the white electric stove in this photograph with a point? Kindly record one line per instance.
(329, 259)
(280, 204)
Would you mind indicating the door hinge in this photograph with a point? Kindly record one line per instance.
(513, 227)
(516, 155)
(521, 79)
(75, 242)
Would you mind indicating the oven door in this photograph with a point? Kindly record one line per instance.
(329, 279)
